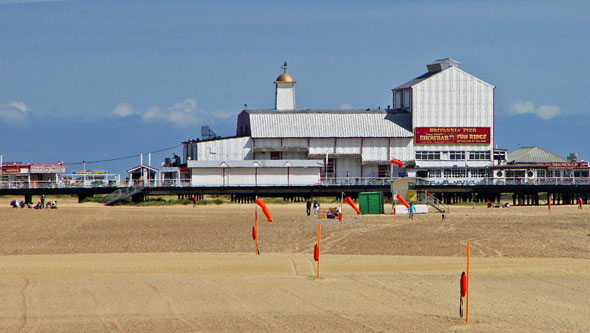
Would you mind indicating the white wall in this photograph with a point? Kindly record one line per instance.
(248, 177)
(272, 176)
(375, 150)
(348, 146)
(304, 176)
(453, 98)
(370, 171)
(240, 176)
(285, 96)
(225, 149)
(207, 176)
(352, 165)
(267, 143)
(321, 146)
(402, 149)
(295, 143)
(294, 155)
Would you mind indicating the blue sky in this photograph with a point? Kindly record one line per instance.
(95, 80)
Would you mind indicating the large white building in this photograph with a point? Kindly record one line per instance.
(441, 125)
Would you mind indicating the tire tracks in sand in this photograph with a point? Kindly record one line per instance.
(246, 307)
(25, 308)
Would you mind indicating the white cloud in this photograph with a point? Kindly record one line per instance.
(184, 113)
(14, 111)
(123, 110)
(542, 111)
(346, 107)
(548, 111)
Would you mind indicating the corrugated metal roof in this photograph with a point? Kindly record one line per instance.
(257, 164)
(416, 80)
(329, 124)
(533, 155)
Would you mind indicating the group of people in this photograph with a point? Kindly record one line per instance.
(331, 214)
(40, 205)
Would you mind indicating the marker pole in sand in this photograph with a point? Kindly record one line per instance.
(319, 237)
(256, 218)
(467, 294)
(340, 214)
(394, 206)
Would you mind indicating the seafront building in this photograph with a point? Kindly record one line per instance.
(440, 124)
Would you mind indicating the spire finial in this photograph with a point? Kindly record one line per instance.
(284, 67)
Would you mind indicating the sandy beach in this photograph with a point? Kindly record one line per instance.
(175, 268)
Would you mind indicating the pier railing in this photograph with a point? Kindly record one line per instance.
(504, 181)
(333, 181)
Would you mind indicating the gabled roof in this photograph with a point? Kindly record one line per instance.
(257, 164)
(533, 155)
(143, 166)
(329, 123)
(428, 75)
(415, 81)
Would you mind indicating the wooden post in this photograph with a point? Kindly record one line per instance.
(467, 291)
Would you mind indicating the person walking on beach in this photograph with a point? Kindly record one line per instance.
(194, 201)
(308, 206)
(316, 208)
(42, 200)
(579, 202)
(412, 211)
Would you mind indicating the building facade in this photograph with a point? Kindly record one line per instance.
(440, 124)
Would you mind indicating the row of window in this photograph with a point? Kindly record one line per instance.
(457, 173)
(453, 155)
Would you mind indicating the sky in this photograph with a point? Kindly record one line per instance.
(102, 80)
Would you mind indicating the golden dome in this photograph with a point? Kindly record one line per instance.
(285, 78)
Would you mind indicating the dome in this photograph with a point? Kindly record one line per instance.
(285, 78)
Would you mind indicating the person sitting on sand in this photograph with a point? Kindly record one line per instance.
(444, 216)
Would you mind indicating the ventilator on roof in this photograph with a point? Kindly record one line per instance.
(441, 65)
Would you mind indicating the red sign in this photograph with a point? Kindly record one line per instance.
(48, 168)
(452, 135)
(14, 169)
(566, 164)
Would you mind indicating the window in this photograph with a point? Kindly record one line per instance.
(383, 171)
(397, 100)
(275, 155)
(458, 173)
(499, 155)
(479, 155)
(455, 173)
(434, 173)
(428, 155)
(541, 173)
(330, 166)
(406, 102)
(515, 173)
(457, 155)
(478, 173)
(557, 173)
(549, 173)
